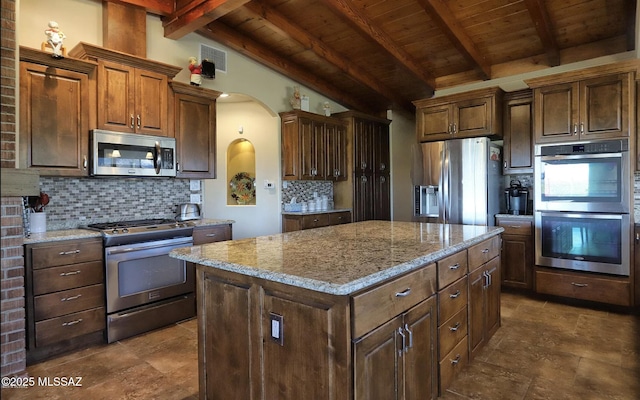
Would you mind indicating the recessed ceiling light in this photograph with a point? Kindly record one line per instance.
(224, 95)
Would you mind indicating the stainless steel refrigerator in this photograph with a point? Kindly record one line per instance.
(457, 181)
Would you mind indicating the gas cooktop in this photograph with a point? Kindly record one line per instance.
(141, 230)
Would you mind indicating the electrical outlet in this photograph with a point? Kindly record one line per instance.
(277, 328)
(196, 198)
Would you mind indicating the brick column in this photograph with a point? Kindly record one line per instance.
(12, 321)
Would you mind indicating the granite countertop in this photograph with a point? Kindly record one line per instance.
(83, 233)
(335, 210)
(339, 259)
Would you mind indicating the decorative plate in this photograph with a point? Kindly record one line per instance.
(243, 188)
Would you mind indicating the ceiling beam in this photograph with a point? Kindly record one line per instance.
(246, 46)
(542, 22)
(351, 14)
(450, 26)
(196, 14)
(340, 61)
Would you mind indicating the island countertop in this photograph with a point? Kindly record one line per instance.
(341, 259)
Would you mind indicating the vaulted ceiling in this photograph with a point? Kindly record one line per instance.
(373, 55)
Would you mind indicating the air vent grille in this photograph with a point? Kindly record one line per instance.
(219, 57)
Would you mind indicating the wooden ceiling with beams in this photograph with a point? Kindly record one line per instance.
(374, 55)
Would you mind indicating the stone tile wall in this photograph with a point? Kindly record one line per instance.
(303, 190)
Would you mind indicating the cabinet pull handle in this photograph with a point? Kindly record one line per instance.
(454, 266)
(404, 293)
(485, 251)
(638, 237)
(210, 234)
(139, 120)
(579, 284)
(455, 295)
(406, 328)
(581, 128)
(71, 298)
(505, 165)
(77, 321)
(486, 280)
(67, 253)
(132, 119)
(455, 327)
(455, 128)
(514, 226)
(456, 360)
(575, 129)
(84, 162)
(404, 342)
(70, 273)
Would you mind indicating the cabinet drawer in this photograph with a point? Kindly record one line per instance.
(376, 306)
(516, 227)
(315, 221)
(47, 280)
(68, 301)
(453, 363)
(484, 251)
(65, 253)
(452, 268)
(586, 287)
(452, 299)
(69, 326)
(339, 218)
(211, 234)
(452, 331)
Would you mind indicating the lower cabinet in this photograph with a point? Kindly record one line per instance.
(397, 359)
(292, 223)
(211, 234)
(517, 252)
(65, 296)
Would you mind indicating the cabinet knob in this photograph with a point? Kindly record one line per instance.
(139, 121)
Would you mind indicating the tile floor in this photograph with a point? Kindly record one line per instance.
(544, 350)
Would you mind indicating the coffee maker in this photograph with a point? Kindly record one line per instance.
(517, 197)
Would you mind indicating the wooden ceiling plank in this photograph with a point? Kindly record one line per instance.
(196, 14)
(346, 10)
(222, 34)
(158, 7)
(444, 18)
(542, 22)
(340, 61)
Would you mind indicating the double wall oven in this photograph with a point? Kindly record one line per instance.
(582, 202)
(145, 288)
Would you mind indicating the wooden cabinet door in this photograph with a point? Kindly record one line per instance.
(307, 148)
(363, 198)
(517, 252)
(381, 154)
(556, 112)
(195, 132)
(434, 123)
(151, 102)
(377, 375)
(54, 120)
(492, 294)
(382, 198)
(518, 133)
(472, 118)
(637, 116)
(227, 305)
(319, 155)
(476, 323)
(363, 146)
(291, 154)
(336, 160)
(420, 361)
(116, 97)
(605, 107)
(637, 265)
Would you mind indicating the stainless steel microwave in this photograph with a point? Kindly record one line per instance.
(126, 154)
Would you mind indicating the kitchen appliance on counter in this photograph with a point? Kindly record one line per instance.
(145, 288)
(582, 203)
(457, 181)
(126, 154)
(188, 212)
(516, 197)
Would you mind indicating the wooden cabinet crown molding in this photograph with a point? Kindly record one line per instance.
(454, 98)
(315, 117)
(358, 114)
(69, 63)
(88, 51)
(185, 88)
(592, 72)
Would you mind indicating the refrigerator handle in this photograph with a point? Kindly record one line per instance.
(446, 207)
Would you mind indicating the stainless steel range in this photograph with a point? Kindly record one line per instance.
(146, 289)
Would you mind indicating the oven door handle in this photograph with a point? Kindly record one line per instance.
(149, 247)
(580, 156)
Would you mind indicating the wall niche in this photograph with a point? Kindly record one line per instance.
(241, 173)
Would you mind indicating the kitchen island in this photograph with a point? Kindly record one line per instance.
(341, 312)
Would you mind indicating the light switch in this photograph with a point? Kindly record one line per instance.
(196, 198)
(194, 185)
(277, 328)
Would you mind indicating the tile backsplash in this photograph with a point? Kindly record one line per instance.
(303, 190)
(80, 201)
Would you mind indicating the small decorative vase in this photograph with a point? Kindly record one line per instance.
(38, 222)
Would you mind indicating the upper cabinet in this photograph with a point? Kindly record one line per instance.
(195, 130)
(470, 114)
(57, 108)
(313, 147)
(132, 91)
(596, 103)
(518, 132)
